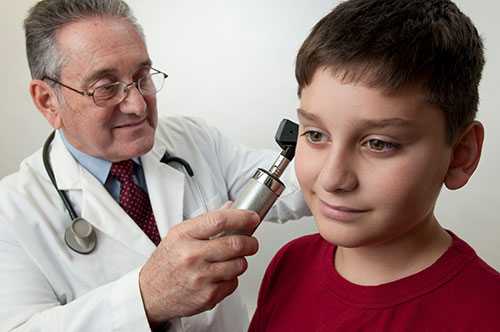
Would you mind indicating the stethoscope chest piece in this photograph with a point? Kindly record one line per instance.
(80, 236)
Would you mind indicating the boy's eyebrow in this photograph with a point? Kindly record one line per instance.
(384, 123)
(364, 123)
(306, 115)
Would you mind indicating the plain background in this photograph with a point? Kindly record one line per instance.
(232, 63)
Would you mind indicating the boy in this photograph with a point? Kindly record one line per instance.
(388, 95)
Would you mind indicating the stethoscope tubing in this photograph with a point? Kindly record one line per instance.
(50, 172)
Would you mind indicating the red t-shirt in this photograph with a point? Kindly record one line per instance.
(302, 291)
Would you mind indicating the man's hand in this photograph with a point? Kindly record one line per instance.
(192, 270)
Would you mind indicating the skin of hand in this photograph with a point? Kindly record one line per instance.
(192, 270)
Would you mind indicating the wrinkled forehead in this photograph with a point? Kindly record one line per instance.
(98, 43)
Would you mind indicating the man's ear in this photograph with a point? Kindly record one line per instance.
(465, 156)
(45, 100)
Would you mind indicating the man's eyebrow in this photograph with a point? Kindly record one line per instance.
(110, 72)
(98, 74)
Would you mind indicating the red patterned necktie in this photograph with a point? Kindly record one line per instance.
(134, 200)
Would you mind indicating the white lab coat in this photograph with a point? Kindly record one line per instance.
(45, 286)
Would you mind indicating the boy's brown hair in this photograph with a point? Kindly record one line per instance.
(391, 44)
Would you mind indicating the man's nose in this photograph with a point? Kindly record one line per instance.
(338, 173)
(134, 102)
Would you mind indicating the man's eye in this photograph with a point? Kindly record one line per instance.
(107, 91)
(103, 82)
(314, 136)
(378, 145)
(109, 87)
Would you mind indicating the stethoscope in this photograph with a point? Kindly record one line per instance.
(80, 236)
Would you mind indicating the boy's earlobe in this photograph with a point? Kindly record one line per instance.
(46, 102)
(465, 156)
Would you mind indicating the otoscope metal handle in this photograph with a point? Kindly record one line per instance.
(262, 190)
(260, 193)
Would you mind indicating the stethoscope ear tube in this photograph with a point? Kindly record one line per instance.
(167, 159)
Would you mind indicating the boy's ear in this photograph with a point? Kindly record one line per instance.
(45, 100)
(465, 156)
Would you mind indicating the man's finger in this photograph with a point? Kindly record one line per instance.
(213, 223)
(228, 270)
(230, 247)
(226, 205)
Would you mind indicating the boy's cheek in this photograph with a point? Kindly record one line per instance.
(307, 168)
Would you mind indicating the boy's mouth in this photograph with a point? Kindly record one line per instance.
(339, 212)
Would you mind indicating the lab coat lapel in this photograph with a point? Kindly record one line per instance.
(166, 189)
(97, 206)
(100, 209)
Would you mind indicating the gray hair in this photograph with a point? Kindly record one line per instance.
(48, 16)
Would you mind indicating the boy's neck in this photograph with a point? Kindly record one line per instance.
(410, 253)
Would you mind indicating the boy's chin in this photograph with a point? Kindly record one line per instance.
(347, 237)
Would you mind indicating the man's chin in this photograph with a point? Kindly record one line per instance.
(133, 149)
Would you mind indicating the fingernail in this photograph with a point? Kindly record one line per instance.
(226, 205)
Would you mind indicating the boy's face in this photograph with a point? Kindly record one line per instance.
(371, 165)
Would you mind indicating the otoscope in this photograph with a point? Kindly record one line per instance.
(265, 186)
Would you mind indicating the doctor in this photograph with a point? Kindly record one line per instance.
(156, 264)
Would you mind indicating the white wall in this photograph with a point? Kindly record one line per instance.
(231, 62)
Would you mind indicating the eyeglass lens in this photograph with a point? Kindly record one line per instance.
(114, 93)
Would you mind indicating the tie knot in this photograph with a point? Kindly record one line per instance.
(123, 170)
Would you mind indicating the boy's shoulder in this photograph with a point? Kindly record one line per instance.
(308, 251)
(476, 267)
(300, 258)
(478, 281)
(474, 292)
(305, 244)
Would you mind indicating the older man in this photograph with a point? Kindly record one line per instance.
(147, 256)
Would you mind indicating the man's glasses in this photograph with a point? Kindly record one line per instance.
(112, 94)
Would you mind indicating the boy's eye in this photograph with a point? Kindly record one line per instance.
(381, 146)
(314, 136)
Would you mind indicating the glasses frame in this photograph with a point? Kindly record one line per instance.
(126, 86)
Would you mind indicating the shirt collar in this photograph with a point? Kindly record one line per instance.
(98, 167)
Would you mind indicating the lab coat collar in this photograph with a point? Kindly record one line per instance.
(98, 167)
(66, 169)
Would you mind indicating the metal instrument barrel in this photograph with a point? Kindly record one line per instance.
(260, 192)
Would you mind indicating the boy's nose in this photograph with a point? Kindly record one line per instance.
(338, 174)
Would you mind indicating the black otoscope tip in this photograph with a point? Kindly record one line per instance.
(286, 137)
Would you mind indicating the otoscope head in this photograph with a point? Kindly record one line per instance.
(286, 137)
